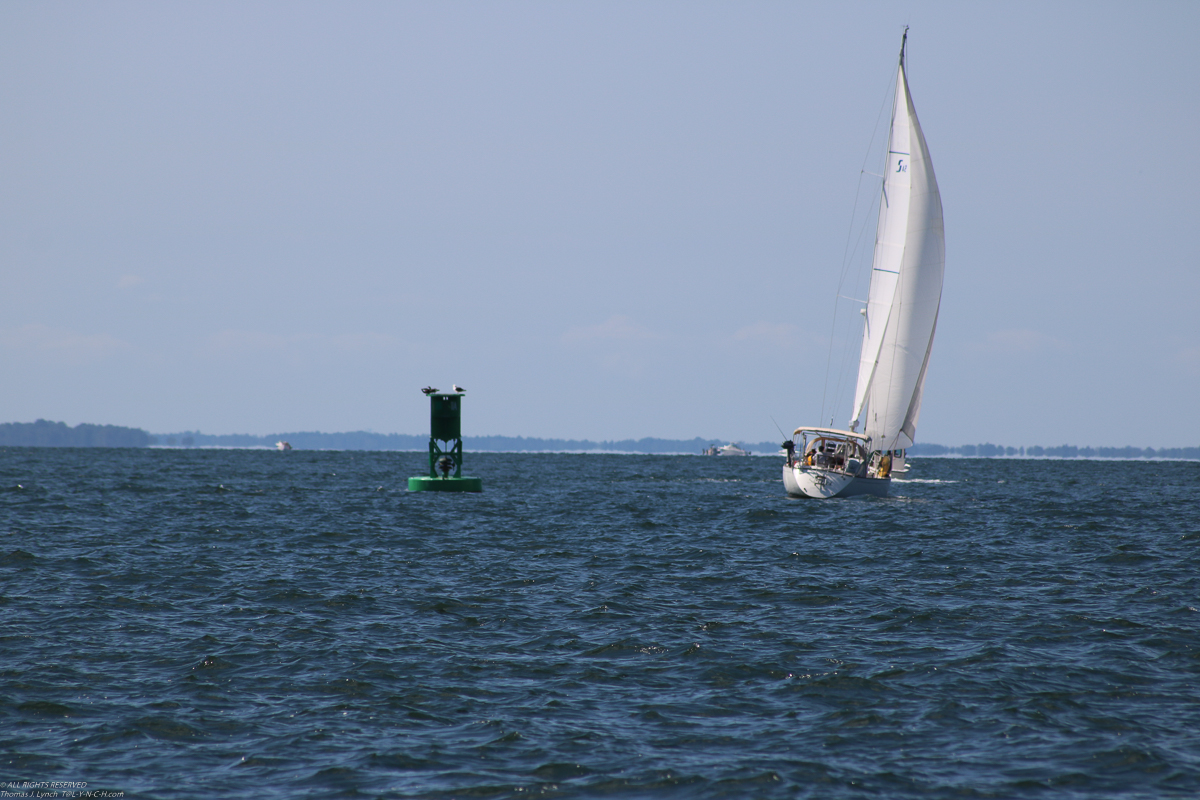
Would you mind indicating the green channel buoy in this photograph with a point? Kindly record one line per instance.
(445, 425)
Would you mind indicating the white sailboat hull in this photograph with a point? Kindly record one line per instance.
(802, 481)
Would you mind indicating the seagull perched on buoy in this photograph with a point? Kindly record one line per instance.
(458, 388)
(428, 390)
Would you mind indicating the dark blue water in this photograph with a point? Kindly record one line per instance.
(186, 624)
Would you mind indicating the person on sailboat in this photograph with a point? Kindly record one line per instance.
(885, 465)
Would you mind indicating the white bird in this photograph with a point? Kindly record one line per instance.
(458, 388)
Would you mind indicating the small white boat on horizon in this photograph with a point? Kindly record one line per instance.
(282, 445)
(731, 449)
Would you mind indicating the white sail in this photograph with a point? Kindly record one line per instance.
(906, 285)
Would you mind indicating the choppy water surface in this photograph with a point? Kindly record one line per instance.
(180, 624)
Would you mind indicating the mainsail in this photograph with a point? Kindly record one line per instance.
(906, 284)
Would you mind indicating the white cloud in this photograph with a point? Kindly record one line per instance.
(128, 281)
(1189, 357)
(617, 346)
(250, 342)
(615, 328)
(363, 342)
(296, 347)
(1019, 341)
(59, 344)
(783, 335)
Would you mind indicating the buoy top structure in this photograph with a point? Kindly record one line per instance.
(445, 425)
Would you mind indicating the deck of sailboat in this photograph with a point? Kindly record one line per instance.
(831, 431)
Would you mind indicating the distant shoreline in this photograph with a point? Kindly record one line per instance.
(58, 434)
(774, 454)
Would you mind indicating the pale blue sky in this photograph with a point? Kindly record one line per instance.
(606, 220)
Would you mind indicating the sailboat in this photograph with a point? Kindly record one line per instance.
(901, 317)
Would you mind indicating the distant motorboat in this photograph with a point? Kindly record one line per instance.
(282, 445)
(726, 450)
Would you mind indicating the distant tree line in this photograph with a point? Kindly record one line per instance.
(645, 445)
(59, 434)
(301, 440)
(364, 440)
(1062, 451)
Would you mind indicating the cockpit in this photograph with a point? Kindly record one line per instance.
(829, 449)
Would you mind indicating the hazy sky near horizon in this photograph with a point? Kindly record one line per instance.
(606, 220)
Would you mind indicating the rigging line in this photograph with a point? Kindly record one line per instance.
(846, 254)
(847, 362)
(841, 282)
(847, 369)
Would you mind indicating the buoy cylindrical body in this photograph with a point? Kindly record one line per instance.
(445, 417)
